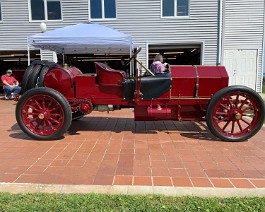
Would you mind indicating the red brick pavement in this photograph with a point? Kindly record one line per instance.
(112, 149)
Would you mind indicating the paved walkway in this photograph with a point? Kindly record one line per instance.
(112, 149)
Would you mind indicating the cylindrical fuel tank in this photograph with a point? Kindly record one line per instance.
(61, 79)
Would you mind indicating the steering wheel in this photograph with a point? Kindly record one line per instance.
(133, 56)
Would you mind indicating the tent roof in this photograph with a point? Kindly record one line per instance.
(82, 38)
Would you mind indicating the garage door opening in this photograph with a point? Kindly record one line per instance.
(16, 60)
(177, 54)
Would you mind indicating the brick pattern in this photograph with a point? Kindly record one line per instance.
(113, 149)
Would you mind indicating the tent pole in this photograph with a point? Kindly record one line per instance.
(28, 53)
(131, 64)
(63, 56)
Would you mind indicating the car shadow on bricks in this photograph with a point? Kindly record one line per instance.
(17, 133)
(187, 129)
(196, 130)
(200, 136)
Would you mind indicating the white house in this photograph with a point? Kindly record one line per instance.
(206, 32)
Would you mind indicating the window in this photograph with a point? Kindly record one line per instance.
(0, 11)
(45, 10)
(175, 8)
(102, 9)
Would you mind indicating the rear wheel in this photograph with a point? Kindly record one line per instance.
(44, 71)
(43, 114)
(33, 77)
(235, 113)
(26, 76)
(28, 72)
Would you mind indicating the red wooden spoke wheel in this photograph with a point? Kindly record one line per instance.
(235, 113)
(43, 114)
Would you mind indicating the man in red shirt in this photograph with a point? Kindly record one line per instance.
(11, 87)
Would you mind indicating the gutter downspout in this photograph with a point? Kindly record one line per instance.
(220, 31)
(263, 51)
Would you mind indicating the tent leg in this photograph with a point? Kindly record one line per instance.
(41, 55)
(131, 72)
(28, 55)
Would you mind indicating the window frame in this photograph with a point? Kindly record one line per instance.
(102, 11)
(175, 11)
(45, 12)
(1, 11)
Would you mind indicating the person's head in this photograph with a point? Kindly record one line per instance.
(158, 57)
(9, 72)
(122, 62)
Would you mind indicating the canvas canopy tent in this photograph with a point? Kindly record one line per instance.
(82, 38)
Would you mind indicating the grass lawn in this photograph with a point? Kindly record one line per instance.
(99, 202)
(263, 88)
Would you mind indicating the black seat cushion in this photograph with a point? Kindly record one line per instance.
(128, 89)
(153, 87)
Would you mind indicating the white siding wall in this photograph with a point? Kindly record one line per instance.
(244, 28)
(16, 27)
(243, 24)
(140, 18)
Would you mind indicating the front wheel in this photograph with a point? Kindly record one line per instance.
(43, 114)
(235, 113)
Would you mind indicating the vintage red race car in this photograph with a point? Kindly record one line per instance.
(53, 96)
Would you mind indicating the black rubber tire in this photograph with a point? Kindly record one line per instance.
(26, 77)
(32, 81)
(224, 92)
(59, 98)
(44, 71)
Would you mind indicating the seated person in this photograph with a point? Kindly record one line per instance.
(11, 87)
(157, 67)
(124, 67)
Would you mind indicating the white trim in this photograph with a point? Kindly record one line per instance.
(257, 70)
(175, 8)
(147, 54)
(1, 12)
(263, 53)
(220, 22)
(41, 56)
(176, 16)
(103, 8)
(103, 12)
(102, 19)
(223, 31)
(45, 12)
(28, 49)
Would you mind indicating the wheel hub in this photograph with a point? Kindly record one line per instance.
(238, 116)
(41, 116)
(235, 115)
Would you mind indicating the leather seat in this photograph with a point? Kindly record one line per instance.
(108, 76)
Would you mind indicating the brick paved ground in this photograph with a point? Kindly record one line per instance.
(112, 149)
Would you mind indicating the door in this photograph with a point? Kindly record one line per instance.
(241, 66)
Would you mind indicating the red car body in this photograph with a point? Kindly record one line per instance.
(182, 93)
(193, 87)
